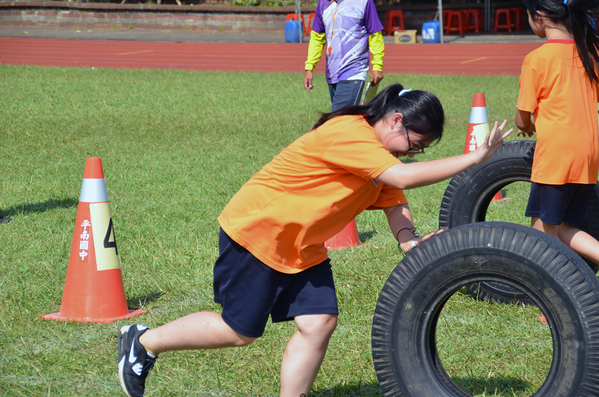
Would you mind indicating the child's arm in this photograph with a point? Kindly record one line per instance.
(524, 123)
(317, 42)
(411, 175)
(376, 45)
(402, 227)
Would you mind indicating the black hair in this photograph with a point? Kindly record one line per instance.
(579, 17)
(422, 111)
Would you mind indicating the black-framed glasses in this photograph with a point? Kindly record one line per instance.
(410, 148)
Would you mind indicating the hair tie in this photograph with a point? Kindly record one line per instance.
(565, 2)
(409, 89)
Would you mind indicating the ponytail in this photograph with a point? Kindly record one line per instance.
(579, 17)
(422, 111)
(583, 23)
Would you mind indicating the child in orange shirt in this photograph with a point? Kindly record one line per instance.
(558, 85)
(273, 261)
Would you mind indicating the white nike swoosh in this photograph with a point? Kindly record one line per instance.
(132, 356)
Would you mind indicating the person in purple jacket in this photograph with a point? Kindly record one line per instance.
(350, 30)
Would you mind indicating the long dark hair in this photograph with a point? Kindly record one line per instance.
(422, 111)
(579, 17)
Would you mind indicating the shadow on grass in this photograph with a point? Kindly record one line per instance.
(140, 301)
(365, 236)
(357, 389)
(498, 386)
(41, 206)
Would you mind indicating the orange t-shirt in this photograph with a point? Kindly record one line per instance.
(555, 88)
(310, 192)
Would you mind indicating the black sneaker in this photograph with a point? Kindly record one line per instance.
(5, 219)
(135, 362)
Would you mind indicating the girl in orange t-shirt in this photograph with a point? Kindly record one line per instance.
(558, 86)
(273, 262)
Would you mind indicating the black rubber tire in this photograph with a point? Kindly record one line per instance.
(564, 288)
(468, 195)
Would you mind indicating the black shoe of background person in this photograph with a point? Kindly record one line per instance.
(5, 219)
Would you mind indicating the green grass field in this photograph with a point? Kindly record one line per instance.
(175, 146)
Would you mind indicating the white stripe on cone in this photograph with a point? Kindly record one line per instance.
(93, 191)
(478, 115)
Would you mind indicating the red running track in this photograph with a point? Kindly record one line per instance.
(442, 59)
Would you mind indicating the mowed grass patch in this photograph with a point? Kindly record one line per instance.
(175, 146)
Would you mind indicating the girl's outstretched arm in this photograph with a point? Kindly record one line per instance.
(408, 176)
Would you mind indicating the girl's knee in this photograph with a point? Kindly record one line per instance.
(318, 325)
(328, 324)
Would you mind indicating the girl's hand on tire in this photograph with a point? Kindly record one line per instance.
(408, 246)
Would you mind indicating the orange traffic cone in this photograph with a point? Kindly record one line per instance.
(93, 290)
(345, 238)
(478, 129)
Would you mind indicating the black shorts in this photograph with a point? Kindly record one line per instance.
(249, 291)
(555, 204)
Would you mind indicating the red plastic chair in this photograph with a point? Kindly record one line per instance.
(517, 15)
(445, 20)
(455, 22)
(394, 21)
(296, 18)
(506, 16)
(473, 20)
(445, 12)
